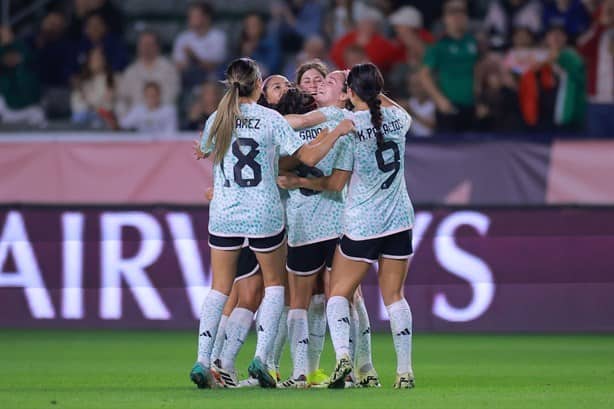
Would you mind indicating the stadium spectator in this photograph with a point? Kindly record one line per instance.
(306, 16)
(55, 51)
(93, 94)
(409, 31)
(149, 66)
(341, 19)
(19, 83)
(111, 15)
(199, 51)
(449, 69)
(597, 47)
(206, 102)
(314, 48)
(97, 35)
(380, 50)
(503, 16)
(497, 108)
(355, 54)
(524, 54)
(572, 15)
(152, 116)
(260, 45)
(553, 95)
(420, 107)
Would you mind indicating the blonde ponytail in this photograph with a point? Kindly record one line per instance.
(242, 76)
(224, 124)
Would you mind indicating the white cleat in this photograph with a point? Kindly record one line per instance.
(405, 381)
(249, 383)
(298, 383)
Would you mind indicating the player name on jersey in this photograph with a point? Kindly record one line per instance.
(309, 134)
(387, 127)
(248, 123)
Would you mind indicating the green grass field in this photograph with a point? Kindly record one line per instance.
(104, 369)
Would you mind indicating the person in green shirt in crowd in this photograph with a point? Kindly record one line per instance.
(20, 90)
(570, 71)
(448, 70)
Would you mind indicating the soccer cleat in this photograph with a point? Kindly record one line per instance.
(227, 379)
(342, 370)
(249, 383)
(298, 383)
(405, 381)
(317, 379)
(368, 379)
(257, 369)
(202, 376)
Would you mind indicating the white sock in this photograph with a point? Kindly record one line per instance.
(210, 315)
(237, 329)
(298, 333)
(316, 317)
(280, 340)
(220, 337)
(269, 312)
(400, 324)
(338, 312)
(364, 360)
(353, 331)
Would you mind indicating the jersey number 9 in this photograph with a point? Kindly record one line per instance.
(393, 166)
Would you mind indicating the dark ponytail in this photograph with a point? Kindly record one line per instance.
(375, 109)
(367, 83)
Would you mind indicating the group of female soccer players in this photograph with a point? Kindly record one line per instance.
(267, 134)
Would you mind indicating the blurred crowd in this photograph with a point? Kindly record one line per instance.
(511, 66)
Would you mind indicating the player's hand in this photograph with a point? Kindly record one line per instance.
(196, 148)
(346, 126)
(288, 182)
(209, 194)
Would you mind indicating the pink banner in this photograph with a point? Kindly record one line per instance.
(102, 172)
(121, 169)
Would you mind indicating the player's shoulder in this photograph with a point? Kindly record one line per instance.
(265, 112)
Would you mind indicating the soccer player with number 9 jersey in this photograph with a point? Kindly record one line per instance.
(377, 222)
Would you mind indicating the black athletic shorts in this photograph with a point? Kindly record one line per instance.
(395, 246)
(310, 258)
(259, 245)
(247, 265)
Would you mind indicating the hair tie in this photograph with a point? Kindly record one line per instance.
(236, 84)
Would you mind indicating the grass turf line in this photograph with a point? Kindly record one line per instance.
(114, 369)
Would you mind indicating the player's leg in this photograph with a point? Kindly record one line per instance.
(303, 265)
(316, 317)
(363, 361)
(224, 257)
(350, 266)
(393, 266)
(231, 303)
(270, 254)
(282, 331)
(248, 289)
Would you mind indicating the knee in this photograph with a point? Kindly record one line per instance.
(390, 297)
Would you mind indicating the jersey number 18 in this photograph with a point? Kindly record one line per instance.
(248, 160)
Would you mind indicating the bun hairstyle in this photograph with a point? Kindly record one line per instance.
(242, 76)
(295, 101)
(366, 81)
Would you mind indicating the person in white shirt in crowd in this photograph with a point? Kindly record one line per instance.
(93, 94)
(151, 116)
(200, 50)
(420, 107)
(149, 66)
